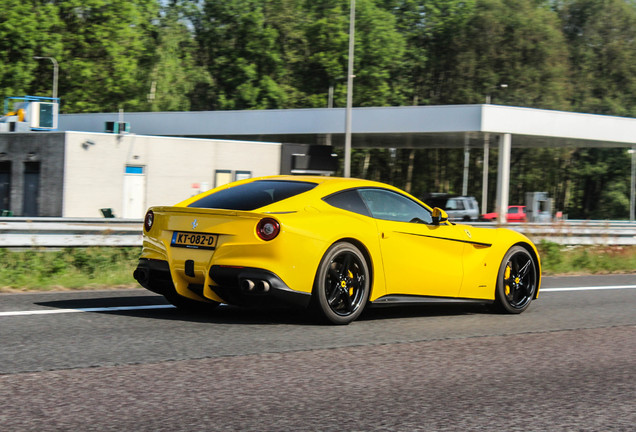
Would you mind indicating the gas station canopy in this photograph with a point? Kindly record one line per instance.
(395, 127)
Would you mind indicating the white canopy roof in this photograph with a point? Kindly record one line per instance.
(416, 126)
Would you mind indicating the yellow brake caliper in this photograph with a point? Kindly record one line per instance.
(350, 277)
(507, 279)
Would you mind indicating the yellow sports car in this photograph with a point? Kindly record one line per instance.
(334, 245)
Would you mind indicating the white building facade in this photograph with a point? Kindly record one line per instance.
(83, 174)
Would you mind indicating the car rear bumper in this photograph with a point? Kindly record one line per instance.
(251, 286)
(154, 275)
(244, 286)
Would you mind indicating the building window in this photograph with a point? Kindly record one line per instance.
(242, 175)
(134, 169)
(222, 177)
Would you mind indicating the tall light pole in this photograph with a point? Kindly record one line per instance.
(55, 72)
(632, 197)
(484, 175)
(347, 161)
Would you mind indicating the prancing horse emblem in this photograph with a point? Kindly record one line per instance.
(195, 224)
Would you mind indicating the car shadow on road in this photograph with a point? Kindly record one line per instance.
(156, 307)
(423, 310)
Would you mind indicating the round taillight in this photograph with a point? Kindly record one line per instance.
(149, 220)
(268, 228)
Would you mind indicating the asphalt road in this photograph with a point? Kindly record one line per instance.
(70, 361)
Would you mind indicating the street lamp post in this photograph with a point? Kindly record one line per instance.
(55, 72)
(484, 175)
(347, 160)
(632, 195)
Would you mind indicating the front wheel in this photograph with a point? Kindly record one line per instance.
(516, 281)
(342, 285)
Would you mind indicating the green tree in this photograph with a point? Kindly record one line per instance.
(240, 50)
(601, 184)
(378, 53)
(432, 30)
(516, 42)
(601, 36)
(26, 30)
(289, 19)
(107, 53)
(327, 33)
(177, 81)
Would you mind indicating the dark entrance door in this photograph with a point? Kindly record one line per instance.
(5, 185)
(31, 189)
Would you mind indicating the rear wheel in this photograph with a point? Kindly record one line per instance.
(516, 281)
(341, 288)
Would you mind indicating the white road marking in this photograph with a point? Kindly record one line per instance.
(99, 309)
(608, 287)
(150, 307)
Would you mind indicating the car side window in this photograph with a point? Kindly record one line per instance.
(348, 200)
(513, 210)
(388, 205)
(455, 204)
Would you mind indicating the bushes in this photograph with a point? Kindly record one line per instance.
(601, 259)
(71, 268)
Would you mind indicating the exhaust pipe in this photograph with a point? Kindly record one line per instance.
(141, 275)
(263, 286)
(247, 285)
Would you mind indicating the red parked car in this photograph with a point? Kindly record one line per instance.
(516, 213)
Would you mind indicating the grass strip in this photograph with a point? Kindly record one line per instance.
(68, 268)
(578, 260)
(112, 267)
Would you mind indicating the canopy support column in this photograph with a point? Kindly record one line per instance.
(484, 176)
(466, 165)
(503, 177)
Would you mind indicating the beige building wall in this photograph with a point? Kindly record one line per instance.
(173, 169)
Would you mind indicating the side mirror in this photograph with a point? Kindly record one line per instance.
(439, 216)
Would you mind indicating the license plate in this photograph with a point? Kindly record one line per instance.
(194, 240)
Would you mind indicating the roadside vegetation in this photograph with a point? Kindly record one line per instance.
(72, 268)
(574, 260)
(109, 268)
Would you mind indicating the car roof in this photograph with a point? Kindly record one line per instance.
(335, 183)
(325, 186)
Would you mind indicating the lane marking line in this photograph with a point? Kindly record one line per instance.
(596, 288)
(99, 309)
(167, 306)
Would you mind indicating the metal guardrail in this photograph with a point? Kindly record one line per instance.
(81, 232)
(576, 232)
(69, 232)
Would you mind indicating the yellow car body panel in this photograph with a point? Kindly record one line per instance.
(412, 259)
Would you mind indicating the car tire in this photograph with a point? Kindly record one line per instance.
(516, 281)
(342, 284)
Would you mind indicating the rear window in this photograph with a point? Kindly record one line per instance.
(253, 195)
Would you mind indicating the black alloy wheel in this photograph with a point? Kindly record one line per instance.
(341, 287)
(516, 281)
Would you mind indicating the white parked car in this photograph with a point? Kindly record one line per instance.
(459, 208)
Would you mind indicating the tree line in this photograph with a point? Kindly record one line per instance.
(152, 55)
